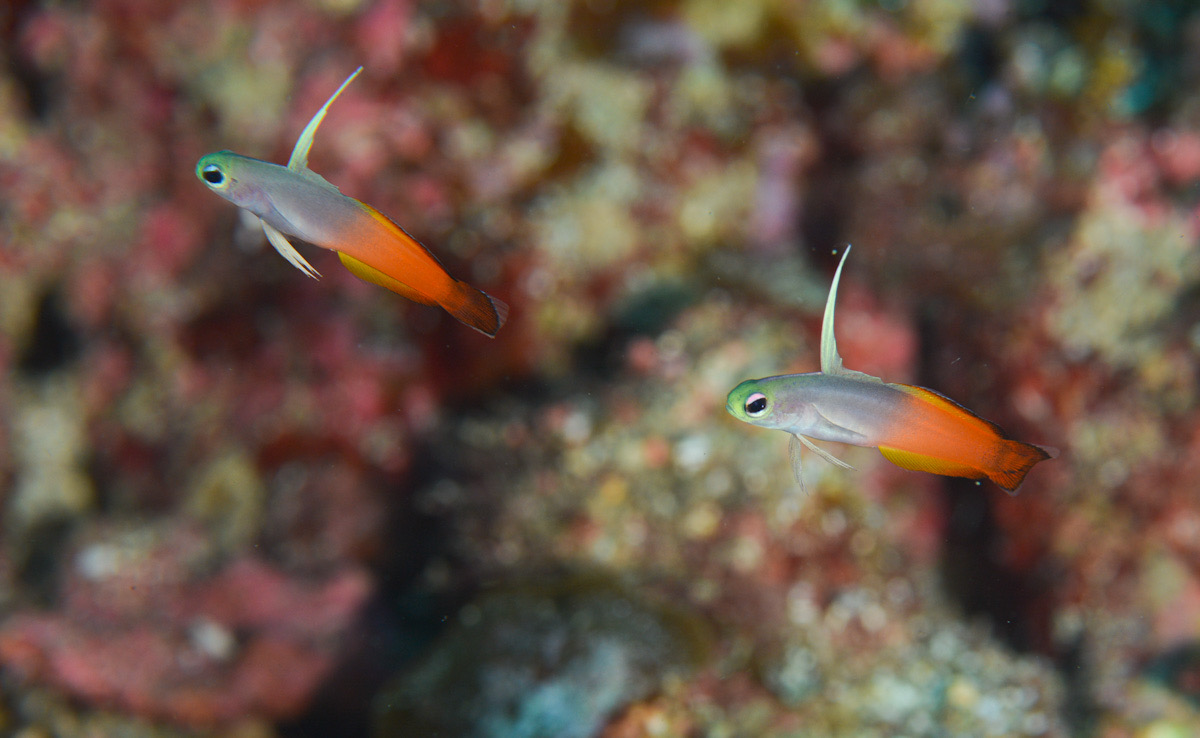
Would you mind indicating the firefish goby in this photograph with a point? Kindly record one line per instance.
(296, 201)
(913, 427)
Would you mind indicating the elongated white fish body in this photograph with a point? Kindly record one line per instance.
(914, 427)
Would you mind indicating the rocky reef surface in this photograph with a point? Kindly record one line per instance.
(239, 502)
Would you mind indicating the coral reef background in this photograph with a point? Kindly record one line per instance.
(239, 502)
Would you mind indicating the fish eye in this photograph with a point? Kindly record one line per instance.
(213, 175)
(756, 404)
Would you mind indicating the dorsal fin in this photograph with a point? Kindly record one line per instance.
(831, 360)
(310, 174)
(946, 405)
(299, 159)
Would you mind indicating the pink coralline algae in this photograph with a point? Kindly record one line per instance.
(158, 637)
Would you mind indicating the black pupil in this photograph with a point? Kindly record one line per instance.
(213, 175)
(757, 405)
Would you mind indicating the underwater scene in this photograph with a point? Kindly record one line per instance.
(673, 368)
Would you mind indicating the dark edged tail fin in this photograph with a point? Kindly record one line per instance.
(1014, 460)
(475, 308)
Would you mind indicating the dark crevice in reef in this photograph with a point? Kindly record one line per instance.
(54, 343)
(972, 574)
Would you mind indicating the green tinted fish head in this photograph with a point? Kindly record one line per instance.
(239, 179)
(216, 170)
(772, 402)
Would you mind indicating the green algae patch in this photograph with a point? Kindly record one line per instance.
(554, 658)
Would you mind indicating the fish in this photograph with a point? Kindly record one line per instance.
(913, 427)
(294, 200)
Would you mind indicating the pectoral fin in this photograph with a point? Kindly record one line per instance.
(831, 360)
(824, 454)
(794, 453)
(797, 462)
(299, 159)
(287, 251)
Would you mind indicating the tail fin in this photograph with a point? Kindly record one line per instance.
(1013, 462)
(475, 308)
